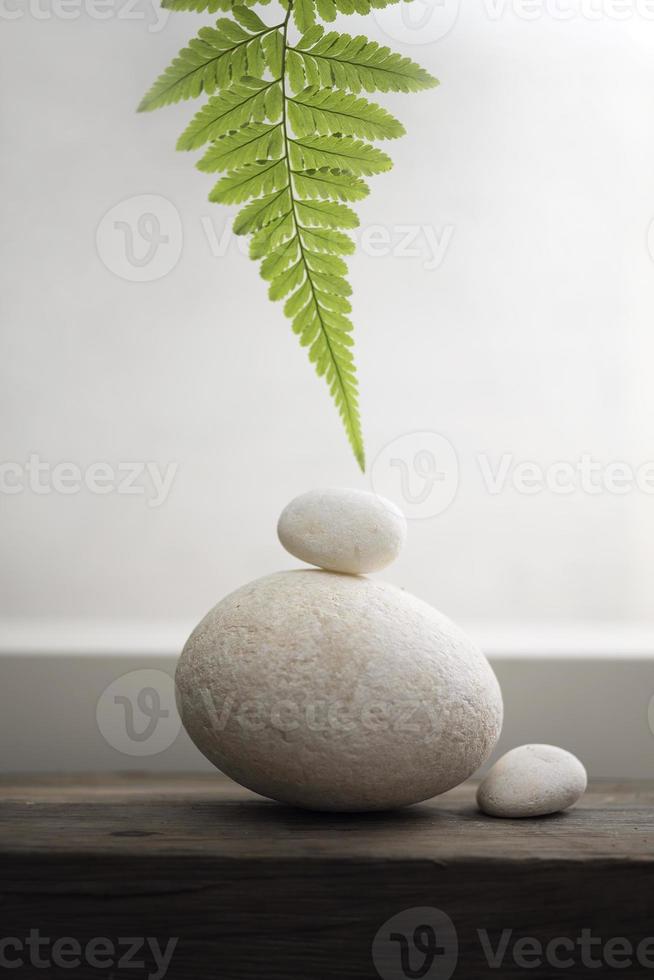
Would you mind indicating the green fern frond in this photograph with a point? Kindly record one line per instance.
(246, 101)
(353, 63)
(326, 214)
(331, 184)
(251, 180)
(341, 152)
(210, 6)
(304, 14)
(291, 133)
(328, 9)
(253, 142)
(263, 211)
(216, 58)
(326, 111)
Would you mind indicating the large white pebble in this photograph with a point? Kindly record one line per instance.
(532, 781)
(337, 692)
(343, 530)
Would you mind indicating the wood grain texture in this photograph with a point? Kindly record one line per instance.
(253, 889)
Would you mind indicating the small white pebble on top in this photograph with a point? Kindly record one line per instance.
(352, 531)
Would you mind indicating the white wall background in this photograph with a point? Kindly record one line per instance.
(532, 337)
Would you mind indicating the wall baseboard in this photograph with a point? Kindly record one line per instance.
(58, 707)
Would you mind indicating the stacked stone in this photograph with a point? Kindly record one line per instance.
(326, 689)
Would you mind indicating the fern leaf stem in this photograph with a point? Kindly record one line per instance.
(352, 423)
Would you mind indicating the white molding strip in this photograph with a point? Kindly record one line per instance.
(589, 690)
(506, 640)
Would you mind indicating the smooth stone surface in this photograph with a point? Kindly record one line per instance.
(532, 781)
(336, 692)
(342, 530)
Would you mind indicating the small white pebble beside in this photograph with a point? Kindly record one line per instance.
(532, 781)
(352, 531)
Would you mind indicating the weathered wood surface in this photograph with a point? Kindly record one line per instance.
(250, 889)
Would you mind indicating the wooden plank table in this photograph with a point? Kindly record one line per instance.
(236, 887)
